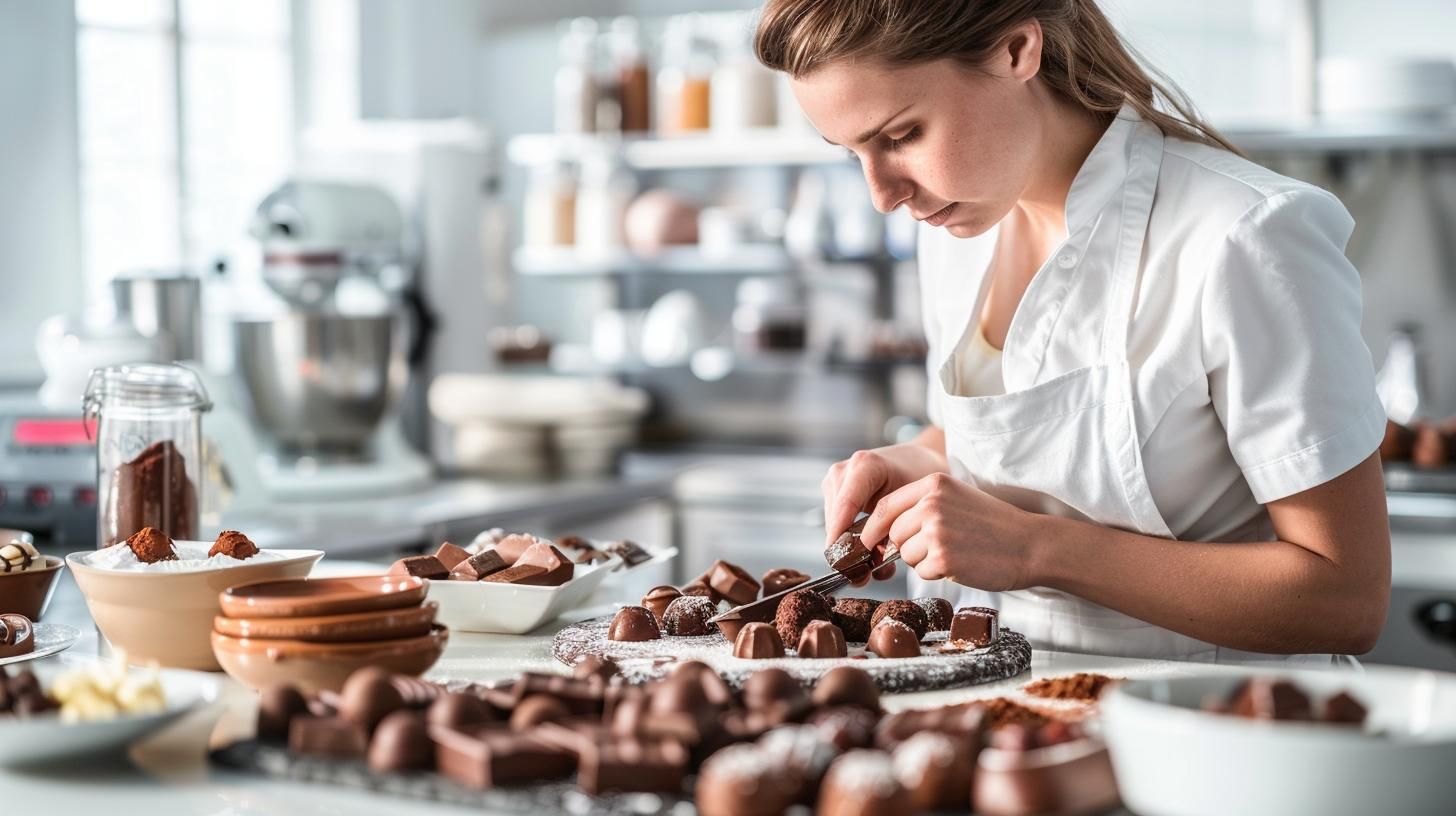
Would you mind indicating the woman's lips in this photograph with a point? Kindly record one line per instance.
(941, 216)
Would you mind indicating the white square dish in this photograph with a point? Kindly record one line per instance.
(513, 609)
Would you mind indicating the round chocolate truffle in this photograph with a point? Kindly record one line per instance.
(906, 612)
(822, 639)
(758, 641)
(658, 598)
(536, 709)
(862, 783)
(367, 696)
(796, 610)
(277, 706)
(745, 780)
(773, 689)
(777, 580)
(456, 710)
(688, 616)
(936, 769)
(938, 613)
(848, 686)
(891, 638)
(852, 616)
(633, 624)
(401, 743)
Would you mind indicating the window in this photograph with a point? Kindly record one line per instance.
(185, 115)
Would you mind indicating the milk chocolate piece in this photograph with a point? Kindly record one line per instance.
(277, 706)
(537, 709)
(805, 751)
(658, 598)
(849, 555)
(595, 668)
(574, 542)
(579, 697)
(744, 780)
(417, 694)
(519, 574)
(420, 566)
(557, 569)
(852, 616)
(733, 583)
(153, 490)
(1263, 698)
(937, 770)
(629, 551)
(325, 736)
(758, 641)
(451, 555)
(151, 545)
(906, 612)
(633, 624)
(1343, 709)
(233, 544)
(717, 690)
(1071, 777)
(511, 547)
(777, 580)
(775, 691)
(17, 635)
(965, 723)
(367, 697)
(457, 710)
(847, 686)
(656, 766)
(862, 783)
(891, 638)
(477, 567)
(977, 625)
(938, 613)
(485, 758)
(796, 610)
(822, 639)
(688, 617)
(401, 743)
(700, 590)
(591, 557)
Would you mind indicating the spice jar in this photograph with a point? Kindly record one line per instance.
(148, 449)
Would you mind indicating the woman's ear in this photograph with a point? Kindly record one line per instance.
(1023, 50)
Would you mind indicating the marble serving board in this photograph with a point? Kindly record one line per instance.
(648, 660)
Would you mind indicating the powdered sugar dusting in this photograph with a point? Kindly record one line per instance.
(191, 557)
(842, 547)
(867, 773)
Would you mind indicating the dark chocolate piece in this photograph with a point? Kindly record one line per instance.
(478, 566)
(658, 598)
(966, 723)
(732, 583)
(558, 569)
(906, 612)
(580, 697)
(591, 557)
(777, 580)
(977, 625)
(1263, 698)
(457, 710)
(1066, 778)
(862, 783)
(847, 686)
(326, 736)
(822, 639)
(758, 641)
(367, 697)
(891, 638)
(688, 617)
(656, 766)
(718, 692)
(796, 610)
(633, 624)
(420, 566)
(485, 758)
(629, 551)
(852, 616)
(451, 555)
(519, 574)
(233, 544)
(938, 613)
(401, 743)
(574, 542)
(849, 555)
(277, 706)
(416, 692)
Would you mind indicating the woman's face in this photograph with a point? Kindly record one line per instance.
(954, 146)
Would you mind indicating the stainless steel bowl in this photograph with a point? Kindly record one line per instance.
(321, 382)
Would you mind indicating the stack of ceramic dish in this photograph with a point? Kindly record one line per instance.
(314, 632)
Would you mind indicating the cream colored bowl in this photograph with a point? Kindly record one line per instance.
(166, 617)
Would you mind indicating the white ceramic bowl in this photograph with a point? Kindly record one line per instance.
(45, 739)
(1173, 759)
(513, 609)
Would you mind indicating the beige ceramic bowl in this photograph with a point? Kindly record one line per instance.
(166, 617)
(316, 667)
(27, 593)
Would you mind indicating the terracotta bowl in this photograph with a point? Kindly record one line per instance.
(28, 593)
(322, 596)
(316, 667)
(385, 624)
(166, 617)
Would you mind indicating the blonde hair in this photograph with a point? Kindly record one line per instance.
(1083, 57)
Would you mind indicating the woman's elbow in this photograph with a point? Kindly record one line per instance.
(1362, 621)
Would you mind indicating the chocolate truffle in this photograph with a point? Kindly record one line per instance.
(852, 616)
(777, 580)
(457, 710)
(512, 546)
(401, 743)
(937, 770)
(906, 612)
(758, 641)
(862, 783)
(745, 780)
(732, 583)
(658, 598)
(451, 555)
(714, 687)
(151, 545)
(420, 566)
(1343, 709)
(822, 639)
(233, 544)
(477, 567)
(977, 625)
(633, 624)
(847, 686)
(938, 613)
(891, 638)
(774, 689)
(367, 697)
(1396, 446)
(796, 610)
(536, 709)
(277, 706)
(688, 616)
(595, 668)
(557, 569)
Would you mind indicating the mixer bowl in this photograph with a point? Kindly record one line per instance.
(320, 382)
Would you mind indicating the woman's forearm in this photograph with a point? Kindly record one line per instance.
(933, 440)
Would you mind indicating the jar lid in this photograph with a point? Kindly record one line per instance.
(145, 386)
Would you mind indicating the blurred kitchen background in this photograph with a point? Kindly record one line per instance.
(581, 265)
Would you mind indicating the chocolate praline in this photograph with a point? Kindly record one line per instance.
(977, 626)
(277, 705)
(891, 638)
(367, 697)
(847, 685)
(401, 743)
(633, 624)
(852, 616)
(777, 580)
(537, 709)
(822, 639)
(758, 641)
(732, 583)
(744, 780)
(596, 668)
(906, 612)
(457, 710)
(938, 613)
(773, 688)
(862, 783)
(845, 726)
(796, 610)
(688, 616)
(658, 598)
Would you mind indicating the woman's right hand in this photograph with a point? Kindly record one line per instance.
(858, 483)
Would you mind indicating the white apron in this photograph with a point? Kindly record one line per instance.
(1069, 447)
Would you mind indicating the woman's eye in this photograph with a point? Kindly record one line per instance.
(897, 142)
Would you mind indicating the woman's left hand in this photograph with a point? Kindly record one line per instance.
(946, 528)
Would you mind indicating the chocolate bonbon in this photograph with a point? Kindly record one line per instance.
(777, 580)
(892, 639)
(326, 736)
(478, 566)
(595, 668)
(776, 693)
(367, 697)
(862, 783)
(848, 686)
(688, 616)
(852, 616)
(744, 780)
(758, 641)
(937, 770)
(277, 706)
(17, 635)
(633, 624)
(151, 545)
(731, 582)
(401, 742)
(822, 639)
(457, 710)
(938, 613)
(978, 626)
(537, 709)
(658, 598)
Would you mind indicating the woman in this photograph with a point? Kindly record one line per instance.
(1154, 419)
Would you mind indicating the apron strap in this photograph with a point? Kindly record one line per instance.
(1144, 163)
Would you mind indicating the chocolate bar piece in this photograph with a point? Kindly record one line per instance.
(420, 566)
(733, 583)
(656, 766)
(556, 568)
(578, 696)
(326, 736)
(977, 625)
(451, 555)
(519, 574)
(488, 757)
(512, 546)
(629, 551)
(478, 566)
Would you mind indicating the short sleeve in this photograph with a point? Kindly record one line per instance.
(926, 260)
(1289, 374)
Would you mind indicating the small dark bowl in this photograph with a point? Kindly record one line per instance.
(28, 593)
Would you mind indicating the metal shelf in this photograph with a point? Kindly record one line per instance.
(567, 261)
(1436, 133)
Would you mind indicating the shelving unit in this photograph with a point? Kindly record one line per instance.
(769, 147)
(567, 261)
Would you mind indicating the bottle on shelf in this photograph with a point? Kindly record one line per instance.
(550, 207)
(634, 81)
(684, 84)
(744, 92)
(601, 205)
(575, 100)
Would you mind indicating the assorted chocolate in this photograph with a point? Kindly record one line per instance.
(973, 627)
(22, 695)
(797, 610)
(688, 616)
(1270, 698)
(17, 635)
(633, 624)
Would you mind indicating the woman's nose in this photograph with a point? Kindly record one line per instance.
(887, 189)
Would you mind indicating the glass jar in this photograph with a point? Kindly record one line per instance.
(148, 449)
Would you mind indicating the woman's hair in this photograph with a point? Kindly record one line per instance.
(1083, 58)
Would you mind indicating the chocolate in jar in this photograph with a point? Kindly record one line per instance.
(152, 489)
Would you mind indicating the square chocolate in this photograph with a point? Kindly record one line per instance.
(478, 566)
(977, 625)
(519, 574)
(490, 757)
(451, 555)
(325, 736)
(556, 568)
(656, 766)
(420, 566)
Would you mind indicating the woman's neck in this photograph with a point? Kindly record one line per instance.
(1069, 132)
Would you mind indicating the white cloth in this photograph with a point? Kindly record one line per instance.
(979, 368)
(1248, 377)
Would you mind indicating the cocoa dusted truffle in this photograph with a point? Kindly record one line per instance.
(862, 783)
(777, 580)
(151, 545)
(233, 544)
(731, 582)
(906, 612)
(822, 639)
(367, 697)
(401, 743)
(688, 616)
(633, 624)
(658, 598)
(796, 610)
(936, 769)
(758, 641)
(745, 780)
(847, 686)
(938, 613)
(852, 616)
(891, 638)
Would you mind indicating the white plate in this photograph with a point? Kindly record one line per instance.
(1172, 758)
(513, 609)
(39, 740)
(50, 638)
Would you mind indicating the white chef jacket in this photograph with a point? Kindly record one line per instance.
(1251, 379)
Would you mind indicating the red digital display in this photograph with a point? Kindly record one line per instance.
(61, 432)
